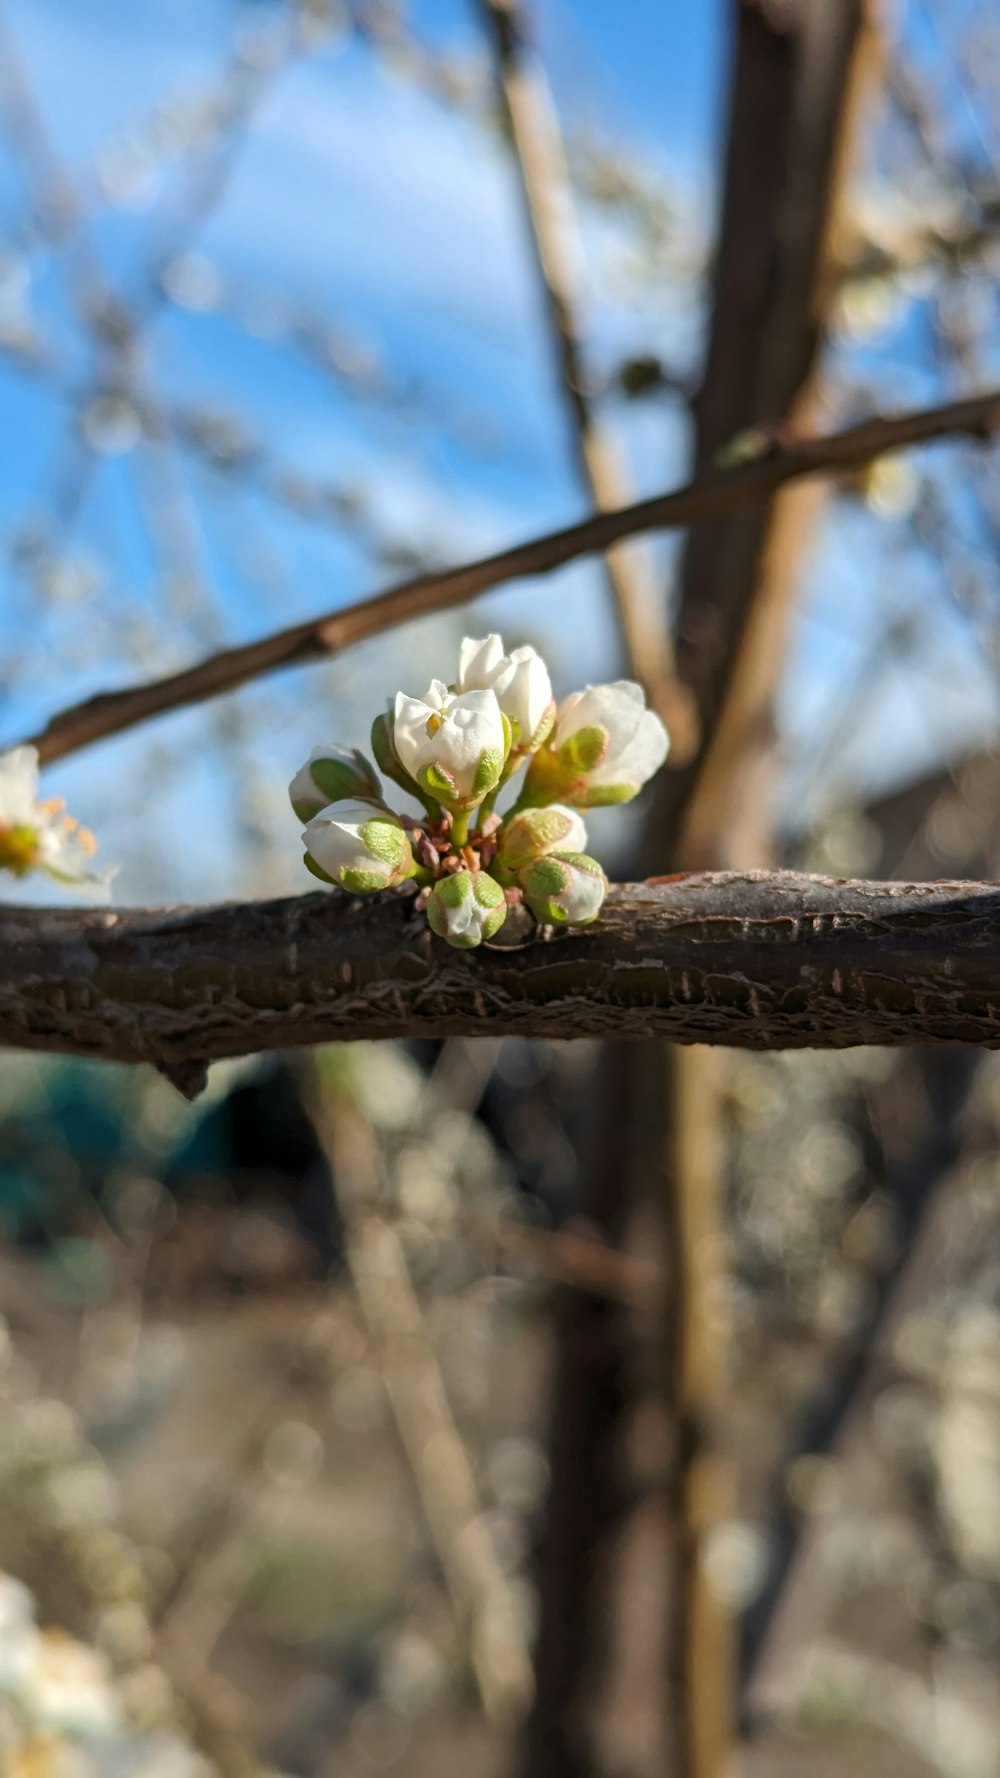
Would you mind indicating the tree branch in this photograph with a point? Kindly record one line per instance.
(716, 492)
(760, 960)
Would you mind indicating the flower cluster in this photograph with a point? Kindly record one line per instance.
(454, 750)
(38, 835)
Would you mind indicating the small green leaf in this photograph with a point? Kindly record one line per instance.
(487, 892)
(453, 890)
(544, 729)
(363, 882)
(487, 772)
(545, 877)
(438, 782)
(384, 840)
(600, 796)
(338, 781)
(585, 749)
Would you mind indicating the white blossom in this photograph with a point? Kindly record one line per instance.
(466, 908)
(453, 745)
(564, 888)
(39, 835)
(520, 681)
(605, 746)
(64, 1686)
(358, 847)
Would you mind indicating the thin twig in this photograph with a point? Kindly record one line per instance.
(435, 1450)
(720, 491)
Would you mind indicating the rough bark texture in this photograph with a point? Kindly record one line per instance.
(760, 961)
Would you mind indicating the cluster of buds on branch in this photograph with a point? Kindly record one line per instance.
(455, 750)
(37, 835)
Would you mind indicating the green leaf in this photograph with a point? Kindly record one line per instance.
(363, 882)
(544, 729)
(438, 782)
(487, 892)
(487, 772)
(453, 890)
(338, 781)
(384, 840)
(600, 796)
(585, 749)
(545, 877)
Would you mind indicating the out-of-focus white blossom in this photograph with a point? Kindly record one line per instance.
(39, 835)
(64, 1715)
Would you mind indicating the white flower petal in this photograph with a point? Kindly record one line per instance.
(524, 691)
(479, 662)
(616, 707)
(18, 786)
(639, 759)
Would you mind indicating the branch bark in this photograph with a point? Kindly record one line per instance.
(758, 960)
(715, 492)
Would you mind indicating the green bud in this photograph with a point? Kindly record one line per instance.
(533, 832)
(465, 908)
(333, 775)
(564, 888)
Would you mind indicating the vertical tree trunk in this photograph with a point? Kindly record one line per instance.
(796, 78)
(797, 70)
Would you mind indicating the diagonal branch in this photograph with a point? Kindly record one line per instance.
(759, 960)
(719, 491)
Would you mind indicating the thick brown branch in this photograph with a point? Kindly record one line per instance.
(762, 960)
(716, 492)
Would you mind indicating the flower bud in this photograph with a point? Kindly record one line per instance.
(466, 908)
(605, 746)
(520, 682)
(332, 775)
(453, 746)
(564, 888)
(533, 832)
(358, 847)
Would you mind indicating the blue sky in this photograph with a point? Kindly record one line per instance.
(391, 217)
